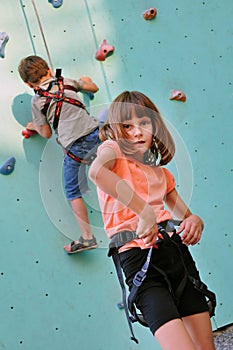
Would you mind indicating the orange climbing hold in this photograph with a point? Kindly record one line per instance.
(150, 13)
(178, 95)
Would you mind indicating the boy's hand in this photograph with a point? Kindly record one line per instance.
(192, 228)
(88, 85)
(86, 79)
(30, 126)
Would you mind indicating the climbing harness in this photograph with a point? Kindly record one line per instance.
(86, 161)
(132, 315)
(59, 97)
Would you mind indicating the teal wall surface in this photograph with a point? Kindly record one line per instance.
(49, 300)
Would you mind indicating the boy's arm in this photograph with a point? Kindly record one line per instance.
(192, 225)
(102, 175)
(44, 130)
(88, 85)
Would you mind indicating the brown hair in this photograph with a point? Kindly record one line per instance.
(121, 109)
(32, 68)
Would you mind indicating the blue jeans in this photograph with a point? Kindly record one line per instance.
(75, 177)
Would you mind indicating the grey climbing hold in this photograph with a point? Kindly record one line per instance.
(3, 40)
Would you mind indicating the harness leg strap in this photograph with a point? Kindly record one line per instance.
(116, 261)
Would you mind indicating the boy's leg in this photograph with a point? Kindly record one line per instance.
(81, 215)
(173, 335)
(76, 185)
(200, 330)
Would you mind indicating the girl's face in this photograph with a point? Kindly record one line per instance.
(140, 132)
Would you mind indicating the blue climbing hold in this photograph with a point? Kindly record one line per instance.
(91, 95)
(120, 305)
(8, 166)
(56, 3)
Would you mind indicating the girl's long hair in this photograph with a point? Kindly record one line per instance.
(121, 109)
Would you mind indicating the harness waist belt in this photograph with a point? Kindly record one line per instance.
(123, 237)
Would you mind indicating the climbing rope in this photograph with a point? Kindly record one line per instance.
(43, 36)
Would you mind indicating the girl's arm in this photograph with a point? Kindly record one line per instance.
(102, 175)
(192, 225)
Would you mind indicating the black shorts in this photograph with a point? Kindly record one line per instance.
(155, 297)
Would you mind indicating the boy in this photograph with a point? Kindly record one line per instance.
(56, 104)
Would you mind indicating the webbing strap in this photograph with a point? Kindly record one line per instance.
(121, 280)
(86, 161)
(58, 97)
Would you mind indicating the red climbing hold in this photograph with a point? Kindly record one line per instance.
(104, 51)
(28, 133)
(178, 95)
(150, 13)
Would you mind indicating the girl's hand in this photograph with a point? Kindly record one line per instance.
(191, 228)
(147, 226)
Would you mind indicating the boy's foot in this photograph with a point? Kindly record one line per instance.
(80, 245)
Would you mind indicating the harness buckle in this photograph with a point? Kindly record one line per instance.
(58, 99)
(139, 278)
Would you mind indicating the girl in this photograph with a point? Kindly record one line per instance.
(133, 188)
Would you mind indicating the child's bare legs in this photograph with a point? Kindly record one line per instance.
(174, 336)
(200, 330)
(192, 333)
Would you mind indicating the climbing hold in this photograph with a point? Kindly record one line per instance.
(104, 51)
(150, 13)
(8, 166)
(120, 305)
(56, 3)
(178, 95)
(3, 40)
(91, 95)
(28, 133)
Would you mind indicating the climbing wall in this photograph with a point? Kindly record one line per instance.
(49, 300)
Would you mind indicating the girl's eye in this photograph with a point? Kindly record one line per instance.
(126, 126)
(146, 122)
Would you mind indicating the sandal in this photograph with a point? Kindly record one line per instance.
(83, 244)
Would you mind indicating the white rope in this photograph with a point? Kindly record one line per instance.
(43, 36)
